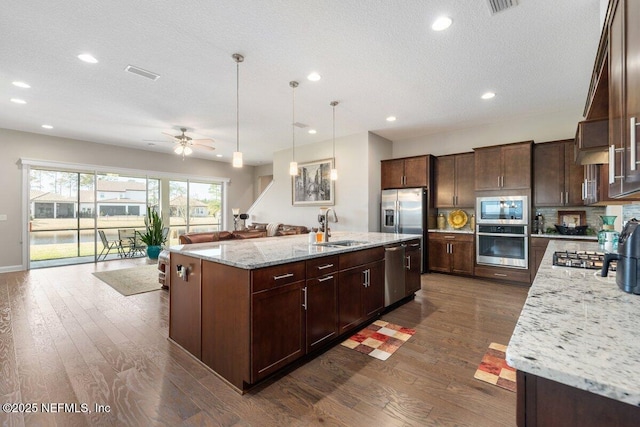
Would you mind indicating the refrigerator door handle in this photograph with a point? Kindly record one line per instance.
(397, 225)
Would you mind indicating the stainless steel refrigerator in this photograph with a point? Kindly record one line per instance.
(408, 211)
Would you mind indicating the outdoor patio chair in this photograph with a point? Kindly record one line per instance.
(108, 246)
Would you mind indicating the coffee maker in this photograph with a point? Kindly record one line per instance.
(628, 257)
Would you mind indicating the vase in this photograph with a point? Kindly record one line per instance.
(153, 251)
(608, 237)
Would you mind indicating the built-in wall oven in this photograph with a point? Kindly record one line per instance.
(502, 237)
(502, 245)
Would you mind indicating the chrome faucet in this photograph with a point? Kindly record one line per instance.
(325, 237)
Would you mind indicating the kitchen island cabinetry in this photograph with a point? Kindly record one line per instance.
(558, 181)
(247, 320)
(454, 178)
(451, 253)
(413, 267)
(503, 167)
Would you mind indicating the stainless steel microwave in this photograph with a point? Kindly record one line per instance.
(502, 210)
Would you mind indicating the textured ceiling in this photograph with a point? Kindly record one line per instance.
(377, 57)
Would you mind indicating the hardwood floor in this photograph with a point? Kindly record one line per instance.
(66, 337)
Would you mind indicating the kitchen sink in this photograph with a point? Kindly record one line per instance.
(342, 243)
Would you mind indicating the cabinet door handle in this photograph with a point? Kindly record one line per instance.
(449, 237)
(408, 264)
(566, 197)
(304, 304)
(322, 267)
(632, 141)
(562, 198)
(324, 279)
(499, 181)
(584, 189)
(284, 276)
(612, 162)
(500, 274)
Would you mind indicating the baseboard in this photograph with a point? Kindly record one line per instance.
(10, 268)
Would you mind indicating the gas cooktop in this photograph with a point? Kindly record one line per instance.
(581, 259)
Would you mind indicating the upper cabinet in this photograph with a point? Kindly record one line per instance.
(503, 167)
(407, 172)
(454, 178)
(558, 181)
(624, 97)
(591, 142)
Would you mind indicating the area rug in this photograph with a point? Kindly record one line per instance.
(494, 369)
(380, 339)
(131, 281)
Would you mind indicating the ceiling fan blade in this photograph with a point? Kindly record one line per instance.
(203, 140)
(203, 146)
(168, 134)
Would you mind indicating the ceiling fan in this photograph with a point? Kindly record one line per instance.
(186, 144)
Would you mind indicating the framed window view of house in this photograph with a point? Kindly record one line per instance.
(313, 185)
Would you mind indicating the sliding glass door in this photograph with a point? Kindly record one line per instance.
(194, 207)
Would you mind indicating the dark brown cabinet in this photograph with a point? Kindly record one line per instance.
(407, 172)
(451, 253)
(454, 181)
(503, 167)
(596, 187)
(624, 98)
(538, 248)
(413, 259)
(321, 301)
(558, 181)
(185, 307)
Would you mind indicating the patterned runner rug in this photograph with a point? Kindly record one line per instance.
(380, 339)
(131, 281)
(494, 369)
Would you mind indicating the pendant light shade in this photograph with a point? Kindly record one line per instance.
(334, 172)
(237, 155)
(293, 166)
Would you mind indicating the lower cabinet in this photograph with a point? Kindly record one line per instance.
(185, 303)
(277, 328)
(413, 260)
(538, 248)
(451, 253)
(321, 302)
(543, 402)
(360, 294)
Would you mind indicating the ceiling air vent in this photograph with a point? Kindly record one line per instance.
(499, 5)
(300, 125)
(141, 72)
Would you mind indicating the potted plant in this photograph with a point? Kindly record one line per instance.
(153, 235)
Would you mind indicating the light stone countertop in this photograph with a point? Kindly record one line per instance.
(579, 329)
(263, 252)
(593, 238)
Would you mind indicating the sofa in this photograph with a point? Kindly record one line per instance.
(255, 230)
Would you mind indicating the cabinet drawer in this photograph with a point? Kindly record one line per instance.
(509, 274)
(365, 256)
(278, 275)
(321, 266)
(459, 237)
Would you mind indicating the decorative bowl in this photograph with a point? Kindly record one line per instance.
(579, 230)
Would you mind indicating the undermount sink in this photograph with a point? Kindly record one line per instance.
(342, 243)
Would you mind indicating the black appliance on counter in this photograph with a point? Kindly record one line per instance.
(628, 257)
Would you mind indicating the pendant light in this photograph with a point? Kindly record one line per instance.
(293, 166)
(237, 155)
(334, 171)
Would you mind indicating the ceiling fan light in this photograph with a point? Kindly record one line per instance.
(178, 149)
(293, 168)
(187, 151)
(334, 174)
(237, 159)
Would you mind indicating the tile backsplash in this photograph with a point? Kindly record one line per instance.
(592, 215)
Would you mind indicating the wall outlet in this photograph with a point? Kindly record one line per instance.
(3, 217)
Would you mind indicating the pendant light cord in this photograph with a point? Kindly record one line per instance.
(237, 106)
(293, 121)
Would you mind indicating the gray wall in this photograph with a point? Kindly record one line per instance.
(17, 145)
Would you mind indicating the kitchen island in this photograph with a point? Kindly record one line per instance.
(576, 347)
(248, 308)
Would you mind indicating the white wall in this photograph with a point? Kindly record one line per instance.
(379, 149)
(358, 167)
(258, 172)
(16, 145)
(558, 125)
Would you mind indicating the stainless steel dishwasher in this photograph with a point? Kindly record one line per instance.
(394, 286)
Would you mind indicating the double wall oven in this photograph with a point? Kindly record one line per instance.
(502, 231)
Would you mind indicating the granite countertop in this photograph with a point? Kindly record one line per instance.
(451, 230)
(564, 236)
(263, 252)
(579, 329)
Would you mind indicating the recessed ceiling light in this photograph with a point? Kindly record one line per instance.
(312, 131)
(18, 101)
(218, 155)
(391, 118)
(47, 126)
(151, 144)
(22, 85)
(87, 58)
(442, 23)
(488, 95)
(314, 77)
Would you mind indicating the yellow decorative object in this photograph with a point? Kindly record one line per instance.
(457, 219)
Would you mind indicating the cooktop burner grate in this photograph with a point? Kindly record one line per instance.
(582, 259)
